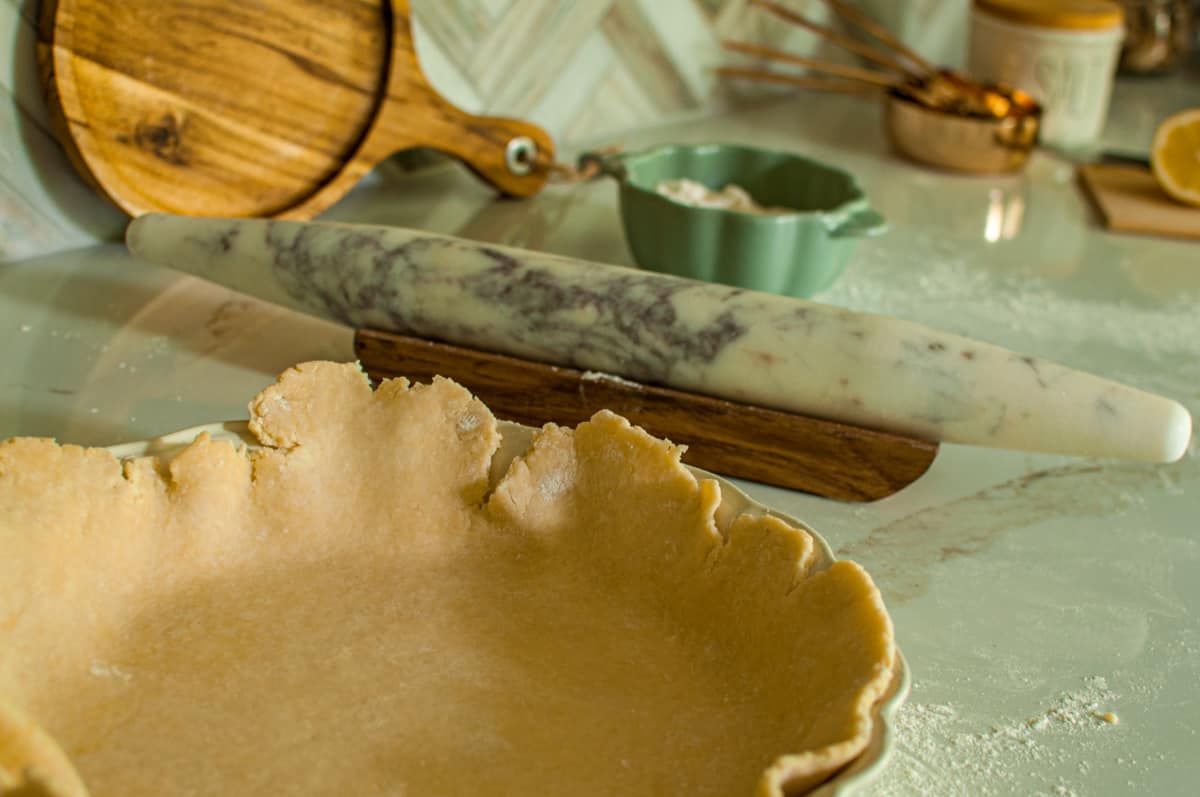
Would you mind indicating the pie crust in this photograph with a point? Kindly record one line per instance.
(359, 607)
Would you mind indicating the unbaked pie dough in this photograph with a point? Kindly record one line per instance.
(353, 610)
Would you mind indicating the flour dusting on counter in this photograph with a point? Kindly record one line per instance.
(731, 197)
(601, 376)
(940, 753)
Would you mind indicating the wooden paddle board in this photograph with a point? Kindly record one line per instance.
(272, 108)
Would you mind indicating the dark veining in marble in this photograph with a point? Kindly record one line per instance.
(998, 423)
(505, 264)
(1033, 366)
(635, 321)
(227, 239)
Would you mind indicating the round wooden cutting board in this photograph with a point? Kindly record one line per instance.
(269, 108)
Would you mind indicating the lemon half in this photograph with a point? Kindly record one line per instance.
(1175, 156)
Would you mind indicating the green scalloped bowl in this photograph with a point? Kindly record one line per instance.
(794, 254)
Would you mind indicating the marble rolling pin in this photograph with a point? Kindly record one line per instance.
(757, 348)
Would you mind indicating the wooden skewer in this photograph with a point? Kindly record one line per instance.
(865, 50)
(841, 70)
(842, 86)
(856, 17)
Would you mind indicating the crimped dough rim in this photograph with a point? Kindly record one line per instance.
(27, 754)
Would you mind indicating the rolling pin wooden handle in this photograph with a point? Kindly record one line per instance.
(780, 448)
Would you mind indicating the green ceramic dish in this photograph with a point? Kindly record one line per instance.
(795, 254)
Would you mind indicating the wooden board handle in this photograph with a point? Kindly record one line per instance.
(788, 450)
(490, 146)
(411, 113)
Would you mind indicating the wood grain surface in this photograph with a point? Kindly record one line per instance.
(784, 449)
(1130, 200)
(271, 108)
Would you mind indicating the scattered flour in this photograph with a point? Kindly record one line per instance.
(553, 484)
(731, 197)
(600, 376)
(468, 422)
(101, 670)
(940, 751)
(157, 345)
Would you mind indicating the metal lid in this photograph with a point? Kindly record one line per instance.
(1064, 14)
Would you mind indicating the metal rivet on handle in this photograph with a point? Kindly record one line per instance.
(520, 155)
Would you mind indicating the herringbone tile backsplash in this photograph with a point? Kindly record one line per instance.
(588, 68)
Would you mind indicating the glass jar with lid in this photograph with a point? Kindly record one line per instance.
(1062, 52)
(1158, 35)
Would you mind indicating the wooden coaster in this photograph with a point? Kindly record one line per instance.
(1130, 200)
(825, 458)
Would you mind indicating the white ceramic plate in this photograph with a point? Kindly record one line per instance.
(515, 439)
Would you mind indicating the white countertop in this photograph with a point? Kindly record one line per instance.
(1030, 593)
